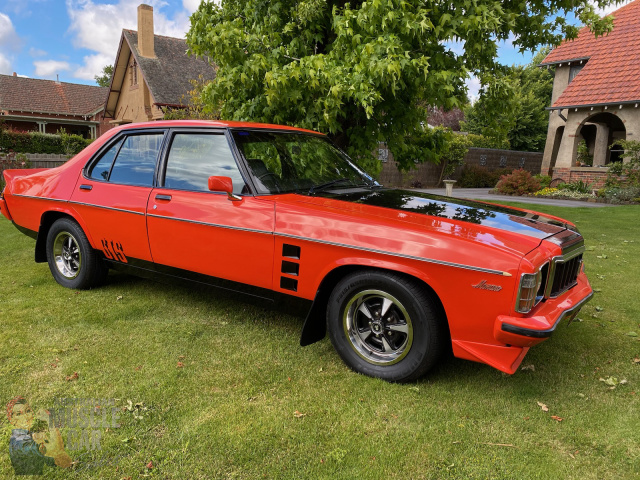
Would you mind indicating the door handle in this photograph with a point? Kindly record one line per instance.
(88, 188)
(163, 197)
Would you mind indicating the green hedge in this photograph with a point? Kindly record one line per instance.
(35, 142)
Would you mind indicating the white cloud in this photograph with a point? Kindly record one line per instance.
(473, 88)
(611, 8)
(97, 27)
(5, 65)
(36, 52)
(49, 68)
(9, 43)
(191, 5)
(93, 65)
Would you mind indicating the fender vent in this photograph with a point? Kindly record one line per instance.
(288, 267)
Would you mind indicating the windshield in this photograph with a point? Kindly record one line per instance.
(284, 162)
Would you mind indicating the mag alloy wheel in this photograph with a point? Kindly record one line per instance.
(67, 255)
(378, 327)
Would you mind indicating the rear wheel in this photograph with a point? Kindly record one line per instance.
(72, 261)
(384, 325)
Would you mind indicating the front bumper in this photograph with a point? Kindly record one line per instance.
(531, 330)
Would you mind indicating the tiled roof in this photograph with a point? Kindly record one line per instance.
(47, 96)
(169, 75)
(612, 73)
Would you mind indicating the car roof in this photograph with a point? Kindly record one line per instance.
(212, 123)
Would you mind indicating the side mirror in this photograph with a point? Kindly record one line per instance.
(223, 184)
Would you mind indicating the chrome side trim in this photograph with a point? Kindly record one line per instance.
(38, 198)
(217, 225)
(400, 255)
(107, 208)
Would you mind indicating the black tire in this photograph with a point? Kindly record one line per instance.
(72, 261)
(399, 344)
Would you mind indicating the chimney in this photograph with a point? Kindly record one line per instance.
(15, 74)
(145, 31)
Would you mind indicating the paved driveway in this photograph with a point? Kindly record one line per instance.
(483, 194)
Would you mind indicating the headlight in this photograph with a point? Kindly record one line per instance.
(529, 286)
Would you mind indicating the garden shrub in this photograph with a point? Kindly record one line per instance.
(519, 182)
(545, 180)
(36, 142)
(578, 186)
(475, 176)
(622, 194)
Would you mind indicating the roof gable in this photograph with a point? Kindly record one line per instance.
(612, 73)
(47, 96)
(169, 75)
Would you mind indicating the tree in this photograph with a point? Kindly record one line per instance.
(104, 79)
(363, 71)
(518, 117)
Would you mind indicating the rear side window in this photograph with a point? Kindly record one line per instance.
(135, 160)
(194, 157)
(101, 170)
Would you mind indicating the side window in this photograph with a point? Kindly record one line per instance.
(136, 160)
(194, 157)
(100, 170)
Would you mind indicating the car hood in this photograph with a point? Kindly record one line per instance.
(531, 224)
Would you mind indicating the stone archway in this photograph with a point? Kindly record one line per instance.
(600, 131)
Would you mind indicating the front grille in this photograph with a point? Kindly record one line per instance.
(565, 274)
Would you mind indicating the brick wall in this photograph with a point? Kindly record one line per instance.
(428, 174)
(595, 176)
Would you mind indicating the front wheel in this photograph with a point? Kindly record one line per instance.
(72, 261)
(384, 325)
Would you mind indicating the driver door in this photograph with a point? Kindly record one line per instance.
(193, 230)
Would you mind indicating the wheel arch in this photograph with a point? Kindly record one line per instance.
(315, 325)
(47, 219)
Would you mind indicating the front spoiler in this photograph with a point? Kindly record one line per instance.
(528, 332)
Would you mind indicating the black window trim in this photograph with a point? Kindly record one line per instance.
(121, 135)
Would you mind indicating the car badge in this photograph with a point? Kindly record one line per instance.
(483, 285)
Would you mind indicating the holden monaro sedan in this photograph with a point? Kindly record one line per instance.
(395, 277)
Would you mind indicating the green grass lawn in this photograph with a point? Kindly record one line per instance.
(249, 402)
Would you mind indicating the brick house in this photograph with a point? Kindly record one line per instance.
(151, 72)
(596, 98)
(31, 104)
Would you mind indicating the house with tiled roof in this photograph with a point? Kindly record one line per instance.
(47, 106)
(596, 98)
(152, 73)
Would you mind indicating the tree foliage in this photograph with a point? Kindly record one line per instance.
(517, 116)
(104, 79)
(363, 71)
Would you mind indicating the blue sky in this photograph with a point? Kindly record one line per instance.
(76, 38)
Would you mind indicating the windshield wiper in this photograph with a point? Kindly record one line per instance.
(324, 186)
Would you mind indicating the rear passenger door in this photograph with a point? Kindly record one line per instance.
(111, 196)
(192, 229)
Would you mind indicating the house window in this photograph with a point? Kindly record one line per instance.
(574, 71)
(133, 73)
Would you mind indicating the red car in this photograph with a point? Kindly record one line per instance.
(396, 277)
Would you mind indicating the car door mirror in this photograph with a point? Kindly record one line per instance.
(223, 184)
